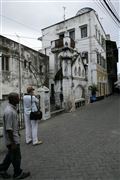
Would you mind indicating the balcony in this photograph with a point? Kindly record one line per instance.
(58, 44)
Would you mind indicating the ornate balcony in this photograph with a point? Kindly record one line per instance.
(58, 44)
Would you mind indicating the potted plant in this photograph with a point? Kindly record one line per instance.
(93, 88)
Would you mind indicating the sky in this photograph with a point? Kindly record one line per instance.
(22, 20)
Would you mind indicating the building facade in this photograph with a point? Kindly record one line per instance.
(88, 36)
(70, 73)
(112, 59)
(21, 66)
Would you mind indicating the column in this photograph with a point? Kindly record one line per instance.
(0, 75)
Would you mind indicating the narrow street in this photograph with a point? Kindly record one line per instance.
(82, 145)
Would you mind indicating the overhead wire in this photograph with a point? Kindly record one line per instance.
(26, 37)
(113, 18)
(103, 9)
(27, 27)
(34, 71)
(111, 10)
(10, 19)
(118, 24)
(22, 37)
(106, 12)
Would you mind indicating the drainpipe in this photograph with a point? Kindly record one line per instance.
(90, 43)
(0, 75)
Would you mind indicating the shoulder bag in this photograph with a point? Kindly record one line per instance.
(35, 115)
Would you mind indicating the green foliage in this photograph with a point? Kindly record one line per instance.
(93, 88)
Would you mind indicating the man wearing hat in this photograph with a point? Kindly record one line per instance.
(31, 126)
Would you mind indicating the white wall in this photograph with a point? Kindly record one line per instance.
(89, 44)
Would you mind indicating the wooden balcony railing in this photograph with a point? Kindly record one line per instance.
(59, 43)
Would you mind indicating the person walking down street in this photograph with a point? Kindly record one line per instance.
(12, 140)
(31, 126)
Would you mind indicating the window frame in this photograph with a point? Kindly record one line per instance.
(73, 35)
(5, 63)
(84, 31)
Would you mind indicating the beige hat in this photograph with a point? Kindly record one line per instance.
(30, 89)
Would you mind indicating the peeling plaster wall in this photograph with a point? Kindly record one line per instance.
(32, 72)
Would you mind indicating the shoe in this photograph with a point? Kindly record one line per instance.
(39, 142)
(29, 142)
(5, 175)
(23, 175)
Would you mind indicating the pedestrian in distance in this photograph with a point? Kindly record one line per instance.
(12, 140)
(31, 126)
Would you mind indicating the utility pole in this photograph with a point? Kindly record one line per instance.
(19, 80)
(0, 75)
(19, 66)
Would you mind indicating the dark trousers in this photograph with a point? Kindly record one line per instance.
(14, 157)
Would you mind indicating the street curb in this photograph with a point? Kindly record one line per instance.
(57, 112)
(1, 131)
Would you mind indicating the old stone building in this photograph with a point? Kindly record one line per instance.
(85, 31)
(112, 59)
(70, 74)
(21, 66)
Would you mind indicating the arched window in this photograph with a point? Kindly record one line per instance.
(25, 63)
(83, 73)
(79, 71)
(75, 71)
(5, 63)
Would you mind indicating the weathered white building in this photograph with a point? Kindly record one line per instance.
(88, 36)
(70, 73)
(20, 66)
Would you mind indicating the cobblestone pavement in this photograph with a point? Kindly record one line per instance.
(82, 145)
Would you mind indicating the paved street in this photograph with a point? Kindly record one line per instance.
(83, 145)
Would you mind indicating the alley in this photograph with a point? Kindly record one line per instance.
(82, 145)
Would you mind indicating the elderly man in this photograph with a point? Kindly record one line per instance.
(12, 140)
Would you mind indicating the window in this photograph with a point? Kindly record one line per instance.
(5, 63)
(75, 71)
(72, 34)
(83, 73)
(29, 64)
(79, 71)
(84, 31)
(61, 36)
(103, 63)
(25, 63)
(41, 69)
(85, 56)
(103, 42)
(96, 32)
(99, 36)
(98, 58)
(52, 91)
